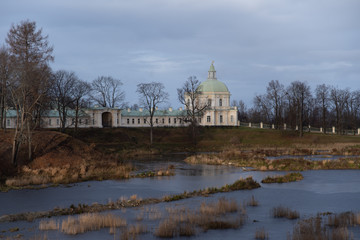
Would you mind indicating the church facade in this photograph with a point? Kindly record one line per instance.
(214, 94)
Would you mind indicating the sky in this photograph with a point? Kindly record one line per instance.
(251, 41)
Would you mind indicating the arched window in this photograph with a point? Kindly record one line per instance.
(220, 102)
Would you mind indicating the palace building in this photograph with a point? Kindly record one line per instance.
(214, 94)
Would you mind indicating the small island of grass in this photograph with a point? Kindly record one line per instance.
(290, 177)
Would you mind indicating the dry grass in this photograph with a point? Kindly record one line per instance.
(132, 232)
(261, 234)
(221, 207)
(213, 215)
(90, 222)
(252, 202)
(48, 225)
(284, 212)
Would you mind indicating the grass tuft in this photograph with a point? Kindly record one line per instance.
(284, 212)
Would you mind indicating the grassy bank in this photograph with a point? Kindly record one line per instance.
(135, 141)
(256, 159)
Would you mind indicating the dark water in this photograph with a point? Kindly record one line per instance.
(320, 191)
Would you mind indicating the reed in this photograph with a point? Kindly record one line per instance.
(261, 234)
(90, 222)
(213, 215)
(252, 202)
(284, 212)
(132, 232)
(48, 225)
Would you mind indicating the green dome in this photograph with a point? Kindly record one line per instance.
(213, 85)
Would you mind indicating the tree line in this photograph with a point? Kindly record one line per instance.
(297, 105)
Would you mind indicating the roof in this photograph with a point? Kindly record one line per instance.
(11, 113)
(213, 85)
(158, 113)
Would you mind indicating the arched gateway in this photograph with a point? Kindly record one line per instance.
(106, 118)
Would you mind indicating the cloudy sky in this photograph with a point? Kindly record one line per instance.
(251, 41)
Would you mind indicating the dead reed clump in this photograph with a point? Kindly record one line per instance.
(284, 212)
(90, 222)
(261, 234)
(48, 225)
(221, 207)
(252, 202)
(213, 215)
(133, 231)
(317, 229)
(167, 229)
(27, 180)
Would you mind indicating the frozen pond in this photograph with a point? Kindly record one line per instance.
(320, 191)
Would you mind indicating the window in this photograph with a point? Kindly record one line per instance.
(133, 121)
(49, 122)
(180, 120)
(208, 119)
(57, 122)
(169, 120)
(93, 121)
(221, 118)
(117, 120)
(128, 121)
(199, 120)
(8, 122)
(220, 102)
(174, 120)
(80, 121)
(87, 121)
(138, 120)
(156, 121)
(163, 120)
(232, 118)
(209, 102)
(144, 120)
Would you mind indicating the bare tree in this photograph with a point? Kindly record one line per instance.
(275, 93)
(262, 106)
(4, 82)
(62, 93)
(81, 90)
(107, 92)
(30, 54)
(300, 94)
(190, 96)
(151, 95)
(339, 98)
(351, 112)
(322, 93)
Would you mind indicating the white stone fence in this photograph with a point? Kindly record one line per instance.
(309, 128)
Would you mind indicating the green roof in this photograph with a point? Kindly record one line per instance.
(158, 113)
(213, 85)
(49, 113)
